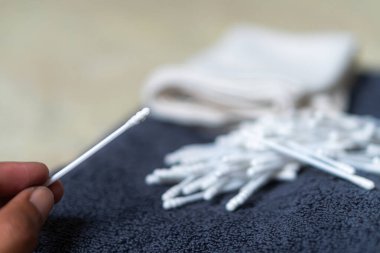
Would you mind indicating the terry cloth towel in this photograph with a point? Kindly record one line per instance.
(250, 72)
(107, 206)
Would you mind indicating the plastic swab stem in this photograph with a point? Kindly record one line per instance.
(134, 120)
(359, 181)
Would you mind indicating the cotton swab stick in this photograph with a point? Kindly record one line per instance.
(359, 181)
(134, 120)
(342, 166)
(247, 190)
(180, 201)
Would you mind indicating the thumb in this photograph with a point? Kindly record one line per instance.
(22, 218)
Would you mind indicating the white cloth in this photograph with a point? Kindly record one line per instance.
(250, 72)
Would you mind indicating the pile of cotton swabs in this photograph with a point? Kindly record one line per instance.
(271, 148)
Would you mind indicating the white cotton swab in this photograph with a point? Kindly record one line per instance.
(248, 189)
(358, 180)
(342, 166)
(176, 190)
(180, 201)
(134, 120)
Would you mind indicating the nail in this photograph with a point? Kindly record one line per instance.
(42, 198)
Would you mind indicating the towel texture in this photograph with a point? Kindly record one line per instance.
(252, 71)
(108, 208)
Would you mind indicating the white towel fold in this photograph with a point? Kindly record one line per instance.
(253, 71)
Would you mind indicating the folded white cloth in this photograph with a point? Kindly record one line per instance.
(250, 72)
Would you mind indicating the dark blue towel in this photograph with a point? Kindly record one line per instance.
(108, 208)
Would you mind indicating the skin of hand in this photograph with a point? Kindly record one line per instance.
(25, 204)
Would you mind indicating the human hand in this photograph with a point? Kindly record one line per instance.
(25, 204)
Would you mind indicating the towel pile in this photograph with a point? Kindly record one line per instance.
(253, 71)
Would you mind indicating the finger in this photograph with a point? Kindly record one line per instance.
(16, 176)
(22, 218)
(57, 189)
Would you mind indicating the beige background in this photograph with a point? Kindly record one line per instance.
(72, 70)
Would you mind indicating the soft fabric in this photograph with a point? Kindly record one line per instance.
(252, 71)
(108, 207)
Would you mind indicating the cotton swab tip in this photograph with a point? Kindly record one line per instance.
(143, 113)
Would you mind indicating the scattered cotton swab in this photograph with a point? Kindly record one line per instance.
(271, 148)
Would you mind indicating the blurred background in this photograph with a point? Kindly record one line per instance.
(70, 71)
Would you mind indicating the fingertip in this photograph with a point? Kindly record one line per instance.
(16, 176)
(40, 166)
(37, 172)
(58, 190)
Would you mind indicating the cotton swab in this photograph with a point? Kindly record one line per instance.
(180, 201)
(359, 181)
(176, 189)
(247, 190)
(342, 166)
(134, 120)
(267, 149)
